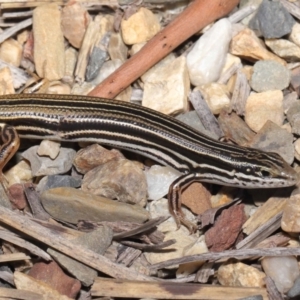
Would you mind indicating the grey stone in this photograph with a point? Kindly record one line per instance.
(272, 138)
(295, 289)
(269, 75)
(53, 181)
(96, 61)
(41, 165)
(272, 20)
(191, 118)
(97, 241)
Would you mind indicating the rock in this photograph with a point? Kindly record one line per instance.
(262, 107)
(245, 21)
(295, 289)
(167, 91)
(46, 166)
(6, 82)
(94, 155)
(285, 49)
(140, 27)
(282, 269)
(269, 75)
(239, 274)
(53, 275)
(98, 241)
(229, 223)
(196, 197)
(53, 181)
(19, 173)
(272, 20)
(293, 116)
(96, 60)
(116, 47)
(117, 179)
(183, 241)
(71, 56)
(191, 118)
(28, 283)
(247, 45)
(71, 205)
(288, 100)
(17, 196)
(272, 138)
(11, 52)
(295, 34)
(49, 49)
(75, 19)
(159, 178)
(290, 219)
(235, 128)
(297, 149)
(216, 95)
(196, 248)
(224, 196)
(48, 148)
(207, 58)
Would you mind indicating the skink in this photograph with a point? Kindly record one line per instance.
(145, 131)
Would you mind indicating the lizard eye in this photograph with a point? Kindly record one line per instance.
(265, 173)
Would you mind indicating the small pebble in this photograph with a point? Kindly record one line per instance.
(6, 82)
(240, 274)
(48, 148)
(217, 97)
(272, 20)
(53, 181)
(293, 116)
(49, 57)
(247, 45)
(46, 166)
(116, 47)
(74, 21)
(167, 91)
(11, 52)
(140, 27)
(295, 289)
(117, 179)
(19, 173)
(269, 75)
(207, 58)
(290, 221)
(159, 179)
(272, 138)
(285, 49)
(261, 107)
(283, 270)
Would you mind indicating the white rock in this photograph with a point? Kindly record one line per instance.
(159, 179)
(283, 270)
(207, 58)
(167, 91)
(216, 95)
(6, 81)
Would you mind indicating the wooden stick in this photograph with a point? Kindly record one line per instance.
(196, 16)
(56, 241)
(170, 290)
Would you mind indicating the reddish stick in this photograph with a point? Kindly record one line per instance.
(196, 16)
